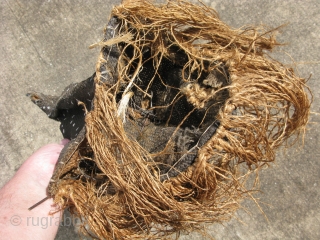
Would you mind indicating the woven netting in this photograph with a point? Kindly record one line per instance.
(226, 79)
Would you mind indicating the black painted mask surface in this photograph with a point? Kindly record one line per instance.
(198, 125)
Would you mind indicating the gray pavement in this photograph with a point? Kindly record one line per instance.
(44, 45)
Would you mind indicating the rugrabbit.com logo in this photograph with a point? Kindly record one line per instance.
(43, 222)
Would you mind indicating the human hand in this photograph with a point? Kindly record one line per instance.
(27, 187)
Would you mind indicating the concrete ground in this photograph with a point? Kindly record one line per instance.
(44, 46)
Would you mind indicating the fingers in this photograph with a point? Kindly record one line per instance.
(38, 168)
(26, 188)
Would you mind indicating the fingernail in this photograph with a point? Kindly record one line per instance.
(64, 141)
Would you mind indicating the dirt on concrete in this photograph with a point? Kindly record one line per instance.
(44, 46)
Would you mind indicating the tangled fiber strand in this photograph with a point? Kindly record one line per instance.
(266, 104)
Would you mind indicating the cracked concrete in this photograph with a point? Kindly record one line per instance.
(44, 45)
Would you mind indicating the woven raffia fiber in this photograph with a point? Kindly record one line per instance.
(260, 105)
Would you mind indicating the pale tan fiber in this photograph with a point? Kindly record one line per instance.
(266, 104)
